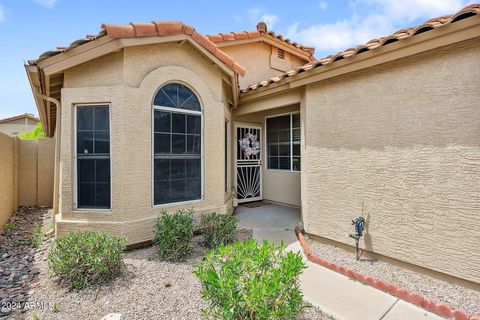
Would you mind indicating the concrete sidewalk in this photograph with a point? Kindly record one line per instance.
(347, 299)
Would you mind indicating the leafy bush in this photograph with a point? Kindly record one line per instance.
(173, 235)
(36, 133)
(217, 229)
(247, 281)
(86, 258)
(36, 236)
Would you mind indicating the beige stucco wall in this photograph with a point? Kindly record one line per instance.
(128, 82)
(400, 144)
(277, 185)
(35, 172)
(257, 58)
(7, 178)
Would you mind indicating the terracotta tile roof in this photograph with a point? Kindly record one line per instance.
(262, 31)
(21, 116)
(152, 29)
(434, 23)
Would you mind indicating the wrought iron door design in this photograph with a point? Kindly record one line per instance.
(248, 163)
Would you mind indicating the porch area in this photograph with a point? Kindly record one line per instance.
(269, 221)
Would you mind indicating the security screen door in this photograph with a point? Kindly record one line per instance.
(248, 162)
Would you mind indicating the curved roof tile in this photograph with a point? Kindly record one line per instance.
(468, 11)
(151, 29)
(262, 31)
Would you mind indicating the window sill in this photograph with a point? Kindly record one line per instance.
(176, 204)
(77, 210)
(283, 170)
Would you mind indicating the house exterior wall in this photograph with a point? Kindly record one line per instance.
(128, 82)
(400, 144)
(261, 61)
(278, 185)
(7, 178)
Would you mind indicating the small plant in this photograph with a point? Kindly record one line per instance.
(247, 281)
(9, 227)
(86, 258)
(36, 236)
(35, 315)
(56, 308)
(173, 235)
(217, 229)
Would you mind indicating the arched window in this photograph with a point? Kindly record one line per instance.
(177, 145)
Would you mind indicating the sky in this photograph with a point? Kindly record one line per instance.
(31, 27)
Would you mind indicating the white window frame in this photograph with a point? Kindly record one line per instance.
(291, 142)
(75, 169)
(152, 129)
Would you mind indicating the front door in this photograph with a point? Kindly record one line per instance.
(248, 179)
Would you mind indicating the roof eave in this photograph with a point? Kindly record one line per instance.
(460, 31)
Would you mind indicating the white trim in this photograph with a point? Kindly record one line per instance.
(75, 169)
(291, 142)
(152, 150)
(253, 126)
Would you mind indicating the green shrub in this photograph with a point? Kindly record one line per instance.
(217, 229)
(36, 236)
(173, 235)
(86, 258)
(247, 281)
(9, 227)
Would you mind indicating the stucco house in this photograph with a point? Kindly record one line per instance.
(153, 116)
(15, 125)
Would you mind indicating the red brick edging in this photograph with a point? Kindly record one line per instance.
(442, 309)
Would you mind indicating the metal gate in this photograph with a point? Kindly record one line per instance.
(248, 180)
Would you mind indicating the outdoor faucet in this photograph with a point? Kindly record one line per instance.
(358, 224)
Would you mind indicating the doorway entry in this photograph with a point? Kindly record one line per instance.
(248, 162)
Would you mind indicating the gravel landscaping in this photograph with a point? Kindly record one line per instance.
(146, 289)
(456, 296)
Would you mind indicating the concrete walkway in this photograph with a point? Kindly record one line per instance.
(346, 299)
(269, 221)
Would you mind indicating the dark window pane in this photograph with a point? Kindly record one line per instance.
(194, 124)
(284, 136)
(193, 144)
(178, 123)
(86, 170)
(193, 168)
(272, 136)
(84, 118)
(296, 149)
(273, 150)
(86, 195)
(162, 169)
(171, 91)
(102, 195)
(161, 99)
(284, 163)
(162, 121)
(178, 144)
(284, 149)
(296, 135)
(273, 162)
(101, 118)
(296, 163)
(102, 142)
(178, 169)
(162, 143)
(284, 123)
(102, 170)
(161, 192)
(272, 124)
(177, 190)
(85, 142)
(192, 104)
(193, 189)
